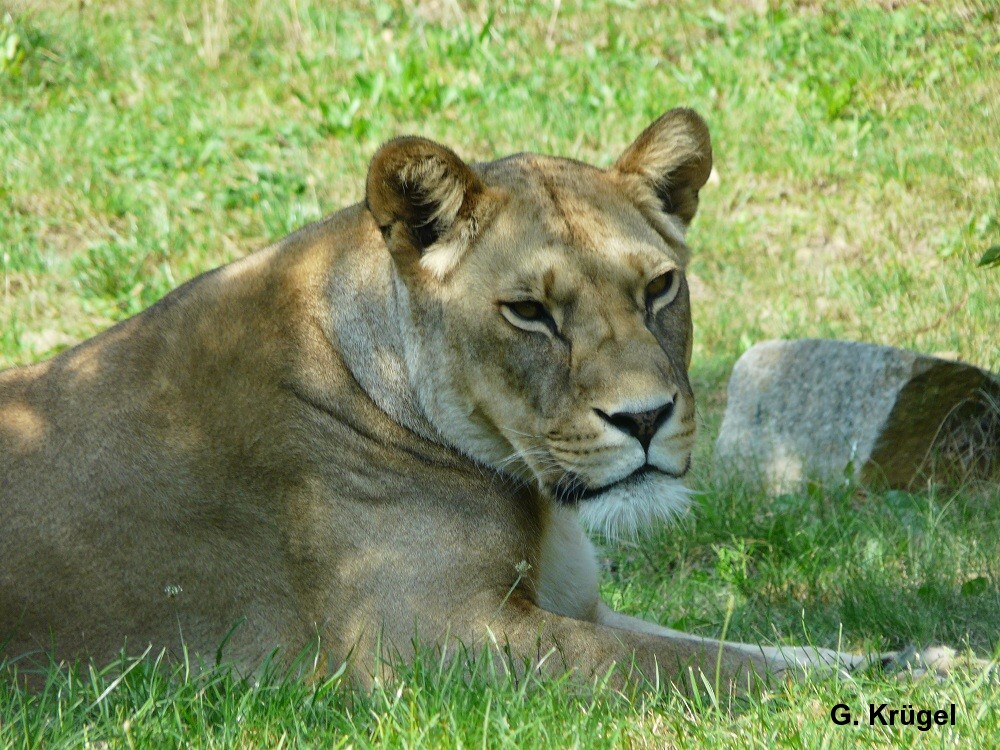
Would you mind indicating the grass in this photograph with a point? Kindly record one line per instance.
(855, 191)
(430, 707)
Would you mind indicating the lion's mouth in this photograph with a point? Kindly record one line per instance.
(571, 487)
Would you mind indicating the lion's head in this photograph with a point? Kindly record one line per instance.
(547, 321)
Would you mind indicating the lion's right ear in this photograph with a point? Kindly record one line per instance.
(671, 159)
(420, 193)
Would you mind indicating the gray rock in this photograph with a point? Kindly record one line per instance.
(833, 410)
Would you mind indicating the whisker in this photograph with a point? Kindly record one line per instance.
(511, 430)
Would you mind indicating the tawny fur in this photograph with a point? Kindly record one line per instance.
(347, 439)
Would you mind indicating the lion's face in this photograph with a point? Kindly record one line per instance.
(549, 331)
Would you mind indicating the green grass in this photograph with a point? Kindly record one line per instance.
(856, 188)
(428, 706)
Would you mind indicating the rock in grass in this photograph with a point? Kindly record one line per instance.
(833, 410)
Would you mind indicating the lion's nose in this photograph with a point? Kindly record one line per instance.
(640, 425)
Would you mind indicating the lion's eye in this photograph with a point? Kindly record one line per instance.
(529, 315)
(660, 286)
(528, 310)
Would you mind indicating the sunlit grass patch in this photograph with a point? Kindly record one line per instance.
(150, 702)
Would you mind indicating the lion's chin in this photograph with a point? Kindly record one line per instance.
(639, 503)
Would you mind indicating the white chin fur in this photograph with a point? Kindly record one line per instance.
(635, 505)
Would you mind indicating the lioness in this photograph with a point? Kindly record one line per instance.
(388, 423)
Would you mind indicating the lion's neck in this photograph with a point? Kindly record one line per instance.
(365, 320)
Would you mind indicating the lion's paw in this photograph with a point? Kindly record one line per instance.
(934, 660)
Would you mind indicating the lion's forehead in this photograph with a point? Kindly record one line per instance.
(561, 274)
(564, 225)
(576, 203)
(538, 266)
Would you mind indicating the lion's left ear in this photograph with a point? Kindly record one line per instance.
(673, 157)
(419, 193)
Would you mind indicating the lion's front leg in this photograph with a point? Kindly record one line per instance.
(777, 660)
(553, 644)
(797, 661)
